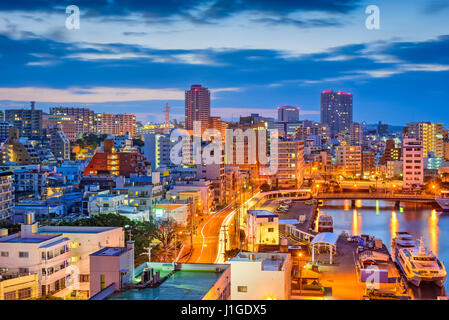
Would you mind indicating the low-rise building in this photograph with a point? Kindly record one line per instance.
(111, 266)
(261, 276)
(262, 228)
(16, 286)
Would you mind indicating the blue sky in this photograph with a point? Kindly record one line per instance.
(134, 56)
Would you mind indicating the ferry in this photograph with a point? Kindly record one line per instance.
(443, 200)
(325, 223)
(419, 265)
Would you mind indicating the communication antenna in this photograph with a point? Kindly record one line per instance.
(167, 118)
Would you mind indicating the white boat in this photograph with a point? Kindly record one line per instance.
(443, 200)
(325, 223)
(404, 240)
(419, 264)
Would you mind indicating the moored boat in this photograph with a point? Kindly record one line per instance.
(419, 265)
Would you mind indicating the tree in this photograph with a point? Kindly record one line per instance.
(166, 233)
(140, 232)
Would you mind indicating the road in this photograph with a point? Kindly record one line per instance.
(206, 242)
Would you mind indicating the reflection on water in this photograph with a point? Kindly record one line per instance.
(382, 220)
(394, 224)
(433, 231)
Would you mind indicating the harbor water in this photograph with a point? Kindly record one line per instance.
(383, 220)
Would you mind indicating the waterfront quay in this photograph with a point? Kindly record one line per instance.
(337, 271)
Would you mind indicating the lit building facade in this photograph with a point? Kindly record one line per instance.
(336, 111)
(413, 163)
(197, 106)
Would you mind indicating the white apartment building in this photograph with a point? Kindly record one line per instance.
(6, 195)
(349, 159)
(262, 228)
(261, 276)
(82, 242)
(413, 164)
(30, 252)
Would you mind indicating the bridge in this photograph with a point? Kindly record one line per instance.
(397, 197)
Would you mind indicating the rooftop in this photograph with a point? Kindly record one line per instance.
(262, 213)
(182, 285)
(110, 251)
(69, 229)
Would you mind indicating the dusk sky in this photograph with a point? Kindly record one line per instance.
(134, 56)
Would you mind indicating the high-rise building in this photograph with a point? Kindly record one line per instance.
(84, 118)
(4, 130)
(391, 153)
(18, 150)
(336, 111)
(288, 114)
(290, 173)
(368, 162)
(197, 106)
(431, 136)
(157, 150)
(413, 163)
(125, 164)
(349, 159)
(27, 121)
(115, 124)
(66, 123)
(356, 134)
(59, 144)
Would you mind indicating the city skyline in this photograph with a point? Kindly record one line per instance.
(55, 66)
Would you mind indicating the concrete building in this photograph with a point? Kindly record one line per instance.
(413, 163)
(261, 276)
(19, 150)
(178, 210)
(288, 114)
(356, 134)
(66, 123)
(59, 144)
(111, 266)
(336, 111)
(391, 153)
(125, 164)
(47, 255)
(82, 241)
(197, 107)
(394, 168)
(16, 286)
(6, 195)
(431, 136)
(262, 228)
(4, 130)
(368, 162)
(349, 159)
(157, 150)
(115, 124)
(27, 121)
(290, 173)
(83, 118)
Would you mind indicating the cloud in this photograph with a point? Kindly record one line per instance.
(90, 95)
(95, 94)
